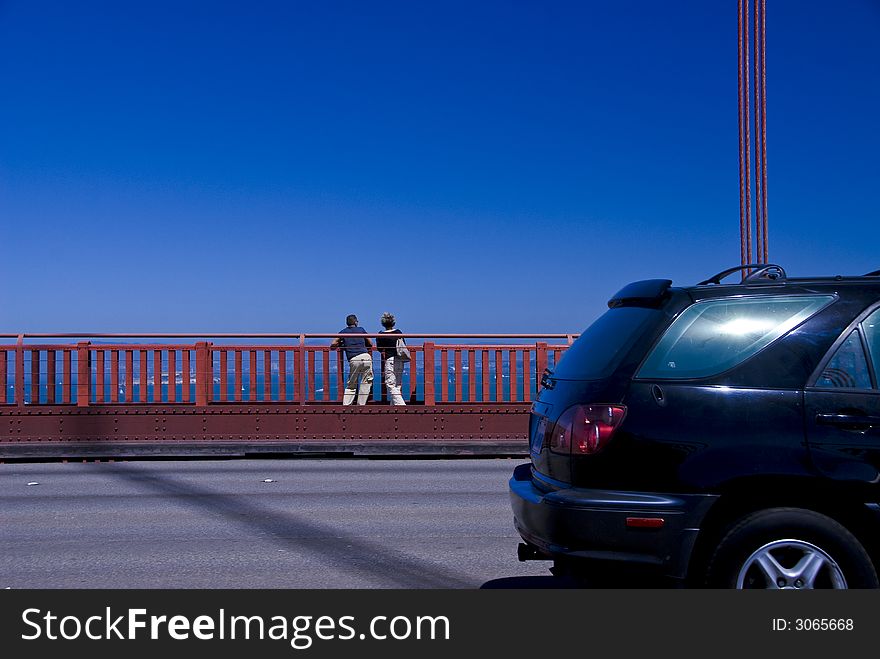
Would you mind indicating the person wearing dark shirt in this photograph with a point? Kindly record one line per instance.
(393, 367)
(360, 363)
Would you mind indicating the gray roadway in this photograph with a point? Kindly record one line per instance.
(331, 523)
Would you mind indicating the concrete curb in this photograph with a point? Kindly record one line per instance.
(416, 448)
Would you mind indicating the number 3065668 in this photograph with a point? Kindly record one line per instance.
(823, 624)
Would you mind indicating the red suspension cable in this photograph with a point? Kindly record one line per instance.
(764, 128)
(752, 30)
(744, 256)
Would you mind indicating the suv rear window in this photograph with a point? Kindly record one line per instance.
(712, 336)
(602, 346)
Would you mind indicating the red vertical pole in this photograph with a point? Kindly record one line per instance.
(499, 377)
(203, 374)
(430, 398)
(472, 376)
(129, 376)
(224, 376)
(282, 375)
(267, 375)
(764, 129)
(172, 375)
(100, 394)
(759, 165)
(459, 376)
(50, 377)
(19, 371)
(527, 376)
(142, 386)
(300, 365)
(184, 375)
(237, 376)
(744, 257)
(3, 376)
(35, 377)
(67, 379)
(408, 391)
(485, 356)
(747, 90)
(325, 395)
(209, 366)
(157, 376)
(541, 363)
(444, 374)
(411, 387)
(252, 375)
(340, 374)
(511, 367)
(310, 391)
(114, 376)
(83, 374)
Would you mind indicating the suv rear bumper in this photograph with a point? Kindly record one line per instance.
(592, 524)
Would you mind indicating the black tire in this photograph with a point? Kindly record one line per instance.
(815, 550)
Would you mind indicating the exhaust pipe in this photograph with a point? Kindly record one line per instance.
(526, 552)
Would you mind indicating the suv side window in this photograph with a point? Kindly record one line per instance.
(712, 336)
(848, 368)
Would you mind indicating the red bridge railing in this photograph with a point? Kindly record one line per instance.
(271, 368)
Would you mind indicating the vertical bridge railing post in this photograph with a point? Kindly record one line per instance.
(35, 377)
(300, 385)
(429, 373)
(19, 371)
(83, 374)
(540, 362)
(204, 373)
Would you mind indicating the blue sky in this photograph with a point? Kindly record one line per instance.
(471, 167)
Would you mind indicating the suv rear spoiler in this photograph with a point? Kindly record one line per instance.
(645, 293)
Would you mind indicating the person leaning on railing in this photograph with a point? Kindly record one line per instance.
(360, 364)
(393, 366)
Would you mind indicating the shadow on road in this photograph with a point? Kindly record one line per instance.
(331, 542)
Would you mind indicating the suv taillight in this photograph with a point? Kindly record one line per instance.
(585, 429)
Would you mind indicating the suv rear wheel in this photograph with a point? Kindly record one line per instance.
(790, 548)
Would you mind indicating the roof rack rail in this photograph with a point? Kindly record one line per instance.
(762, 271)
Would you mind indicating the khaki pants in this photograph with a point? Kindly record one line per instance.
(359, 368)
(394, 379)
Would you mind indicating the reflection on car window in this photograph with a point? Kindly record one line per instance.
(848, 367)
(871, 325)
(713, 336)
